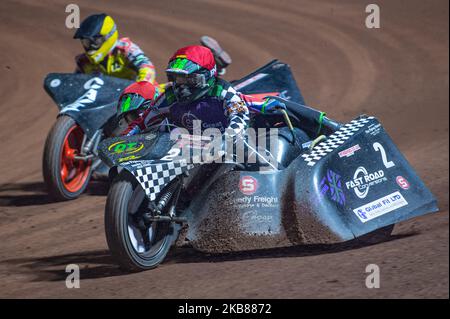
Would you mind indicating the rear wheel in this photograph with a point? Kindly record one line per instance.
(133, 242)
(65, 177)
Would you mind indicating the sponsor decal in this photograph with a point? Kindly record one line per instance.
(373, 129)
(255, 201)
(258, 212)
(140, 164)
(92, 86)
(135, 162)
(255, 216)
(349, 151)
(380, 207)
(363, 180)
(332, 184)
(128, 158)
(248, 185)
(55, 83)
(125, 148)
(402, 182)
(188, 120)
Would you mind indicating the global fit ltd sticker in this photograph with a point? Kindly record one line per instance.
(380, 207)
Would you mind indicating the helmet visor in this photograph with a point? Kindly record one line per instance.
(92, 43)
(193, 80)
(130, 102)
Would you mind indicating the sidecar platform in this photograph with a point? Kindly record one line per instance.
(353, 183)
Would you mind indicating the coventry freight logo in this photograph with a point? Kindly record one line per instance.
(363, 180)
(332, 184)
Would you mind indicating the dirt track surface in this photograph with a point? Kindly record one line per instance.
(398, 73)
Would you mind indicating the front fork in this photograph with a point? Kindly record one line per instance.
(159, 211)
(89, 149)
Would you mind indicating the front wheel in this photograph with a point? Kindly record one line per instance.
(65, 176)
(134, 243)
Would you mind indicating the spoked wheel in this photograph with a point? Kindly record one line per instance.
(135, 243)
(65, 176)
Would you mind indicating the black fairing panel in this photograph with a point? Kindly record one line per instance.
(90, 100)
(273, 77)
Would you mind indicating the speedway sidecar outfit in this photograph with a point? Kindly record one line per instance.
(107, 54)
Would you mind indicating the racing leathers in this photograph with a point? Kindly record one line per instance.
(126, 60)
(222, 108)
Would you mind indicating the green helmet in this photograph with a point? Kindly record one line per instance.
(136, 98)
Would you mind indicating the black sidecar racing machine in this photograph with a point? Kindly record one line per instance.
(351, 184)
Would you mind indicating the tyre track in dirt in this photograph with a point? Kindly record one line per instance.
(398, 73)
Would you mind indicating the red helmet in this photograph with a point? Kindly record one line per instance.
(193, 71)
(136, 98)
(198, 54)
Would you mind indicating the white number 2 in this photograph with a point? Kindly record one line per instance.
(171, 154)
(378, 147)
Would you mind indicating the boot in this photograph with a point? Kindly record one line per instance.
(222, 58)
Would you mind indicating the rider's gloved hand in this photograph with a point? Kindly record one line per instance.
(271, 104)
(132, 131)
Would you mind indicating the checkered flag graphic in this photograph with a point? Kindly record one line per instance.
(335, 140)
(154, 177)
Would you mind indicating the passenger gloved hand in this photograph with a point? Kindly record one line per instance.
(271, 104)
